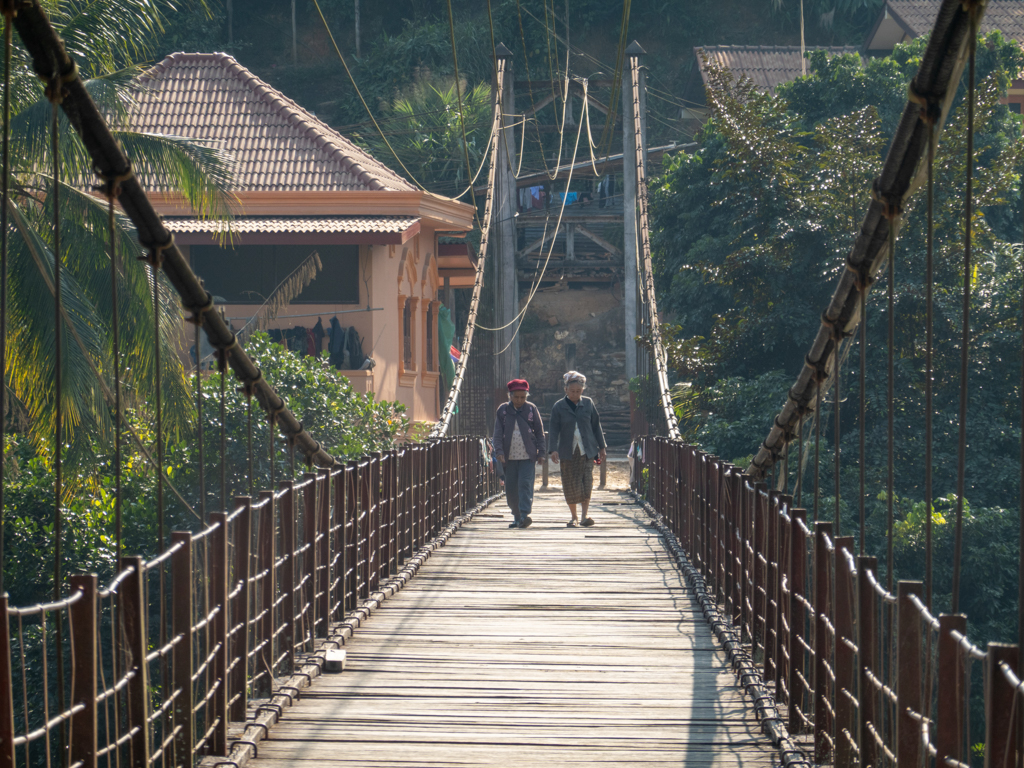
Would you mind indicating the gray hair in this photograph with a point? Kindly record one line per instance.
(574, 377)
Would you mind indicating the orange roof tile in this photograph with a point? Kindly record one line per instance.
(918, 16)
(766, 65)
(278, 146)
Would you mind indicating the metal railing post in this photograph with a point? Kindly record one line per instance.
(181, 631)
(322, 579)
(1000, 720)
(239, 674)
(133, 622)
(949, 717)
(797, 614)
(287, 575)
(311, 531)
(266, 558)
(84, 741)
(867, 659)
(822, 613)
(219, 603)
(908, 661)
(6, 689)
(845, 659)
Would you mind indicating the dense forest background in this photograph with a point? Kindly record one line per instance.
(405, 41)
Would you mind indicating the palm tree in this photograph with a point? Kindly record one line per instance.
(109, 40)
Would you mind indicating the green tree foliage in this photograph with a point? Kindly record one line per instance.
(425, 128)
(107, 39)
(348, 423)
(751, 232)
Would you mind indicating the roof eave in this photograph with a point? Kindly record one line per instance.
(436, 211)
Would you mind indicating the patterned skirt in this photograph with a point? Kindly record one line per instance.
(577, 478)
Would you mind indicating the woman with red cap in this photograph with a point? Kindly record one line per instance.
(519, 445)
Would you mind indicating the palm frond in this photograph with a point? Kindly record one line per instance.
(283, 295)
(32, 341)
(202, 171)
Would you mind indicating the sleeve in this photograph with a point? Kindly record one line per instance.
(595, 423)
(498, 440)
(554, 428)
(538, 433)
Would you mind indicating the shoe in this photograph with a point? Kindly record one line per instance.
(587, 522)
(571, 524)
(526, 522)
(513, 524)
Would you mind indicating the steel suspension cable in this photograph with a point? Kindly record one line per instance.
(54, 91)
(199, 426)
(116, 327)
(643, 230)
(1020, 539)
(965, 341)
(441, 428)
(5, 161)
(928, 376)
(891, 397)
(863, 409)
(837, 512)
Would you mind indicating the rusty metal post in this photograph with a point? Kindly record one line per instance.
(84, 741)
(949, 717)
(744, 561)
(908, 660)
(352, 496)
(758, 628)
(797, 614)
(845, 659)
(6, 689)
(267, 565)
(181, 630)
(219, 604)
(1000, 725)
(771, 589)
(311, 558)
(322, 582)
(287, 575)
(728, 542)
(133, 621)
(822, 617)
(867, 659)
(240, 611)
(783, 627)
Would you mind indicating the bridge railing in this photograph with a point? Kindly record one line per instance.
(873, 675)
(177, 649)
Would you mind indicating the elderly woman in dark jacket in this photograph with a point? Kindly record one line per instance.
(518, 443)
(577, 437)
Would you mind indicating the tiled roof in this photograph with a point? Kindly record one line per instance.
(766, 65)
(277, 145)
(918, 16)
(295, 224)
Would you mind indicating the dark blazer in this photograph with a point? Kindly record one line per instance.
(563, 425)
(531, 427)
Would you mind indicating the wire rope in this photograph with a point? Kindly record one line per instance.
(360, 95)
(462, 112)
(440, 429)
(5, 160)
(965, 341)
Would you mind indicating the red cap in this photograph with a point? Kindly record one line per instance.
(522, 384)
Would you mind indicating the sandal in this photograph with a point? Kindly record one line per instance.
(571, 524)
(587, 522)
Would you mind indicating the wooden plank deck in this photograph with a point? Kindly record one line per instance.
(549, 646)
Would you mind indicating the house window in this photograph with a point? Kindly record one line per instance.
(249, 274)
(407, 334)
(430, 337)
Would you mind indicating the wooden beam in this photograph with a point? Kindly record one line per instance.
(537, 106)
(599, 240)
(537, 243)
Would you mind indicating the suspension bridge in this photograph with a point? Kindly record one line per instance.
(379, 612)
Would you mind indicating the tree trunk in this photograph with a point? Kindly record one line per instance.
(231, 16)
(357, 28)
(295, 38)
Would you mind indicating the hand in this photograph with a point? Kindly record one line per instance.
(554, 456)
(501, 458)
